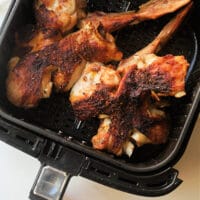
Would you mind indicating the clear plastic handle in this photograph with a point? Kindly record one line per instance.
(50, 184)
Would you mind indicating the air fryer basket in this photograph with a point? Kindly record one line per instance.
(51, 132)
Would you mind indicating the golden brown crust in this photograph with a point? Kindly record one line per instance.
(165, 76)
(93, 92)
(118, 131)
(31, 39)
(87, 44)
(59, 14)
(110, 21)
(66, 55)
(24, 85)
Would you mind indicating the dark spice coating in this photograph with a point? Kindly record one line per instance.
(24, 83)
(47, 18)
(60, 15)
(119, 130)
(32, 39)
(147, 120)
(65, 56)
(128, 114)
(121, 127)
(165, 76)
(100, 102)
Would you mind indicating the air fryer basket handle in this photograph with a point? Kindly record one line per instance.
(151, 184)
(50, 184)
(59, 164)
(160, 184)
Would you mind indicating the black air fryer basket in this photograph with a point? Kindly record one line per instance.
(51, 133)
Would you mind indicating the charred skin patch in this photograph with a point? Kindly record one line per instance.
(165, 75)
(116, 129)
(47, 18)
(92, 106)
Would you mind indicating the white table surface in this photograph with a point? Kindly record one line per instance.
(18, 171)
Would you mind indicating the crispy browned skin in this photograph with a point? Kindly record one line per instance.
(150, 120)
(94, 90)
(59, 14)
(117, 128)
(32, 39)
(111, 136)
(139, 73)
(68, 57)
(164, 75)
(29, 81)
(89, 44)
(110, 21)
(153, 9)
(146, 71)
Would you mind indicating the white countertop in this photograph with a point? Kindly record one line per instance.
(18, 171)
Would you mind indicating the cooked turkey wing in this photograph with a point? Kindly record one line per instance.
(68, 57)
(59, 14)
(146, 71)
(153, 9)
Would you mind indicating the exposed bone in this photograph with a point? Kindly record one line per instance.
(128, 148)
(140, 138)
(47, 84)
(180, 94)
